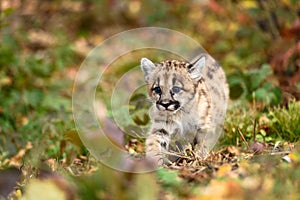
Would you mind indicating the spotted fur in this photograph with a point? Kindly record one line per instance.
(189, 103)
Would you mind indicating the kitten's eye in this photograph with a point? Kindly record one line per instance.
(176, 89)
(157, 90)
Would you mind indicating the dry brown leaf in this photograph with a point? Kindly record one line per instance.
(17, 159)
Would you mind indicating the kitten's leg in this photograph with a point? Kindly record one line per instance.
(157, 143)
(201, 147)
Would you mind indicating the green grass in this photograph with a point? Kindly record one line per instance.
(34, 106)
(285, 123)
(269, 124)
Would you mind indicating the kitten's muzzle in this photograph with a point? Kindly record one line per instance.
(167, 105)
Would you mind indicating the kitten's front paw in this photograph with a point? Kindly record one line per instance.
(202, 151)
(155, 157)
(155, 149)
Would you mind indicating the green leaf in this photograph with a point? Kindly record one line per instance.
(33, 97)
(263, 132)
(237, 84)
(168, 177)
(259, 76)
(55, 102)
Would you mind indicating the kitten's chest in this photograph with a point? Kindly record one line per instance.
(190, 124)
(178, 123)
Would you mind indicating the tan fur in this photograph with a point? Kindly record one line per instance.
(185, 108)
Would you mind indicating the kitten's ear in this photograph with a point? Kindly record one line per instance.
(195, 71)
(147, 66)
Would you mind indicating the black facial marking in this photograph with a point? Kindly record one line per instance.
(173, 80)
(163, 144)
(195, 141)
(175, 104)
(159, 121)
(203, 92)
(163, 131)
(172, 95)
(189, 66)
(200, 81)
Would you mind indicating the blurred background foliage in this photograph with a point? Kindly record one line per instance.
(44, 42)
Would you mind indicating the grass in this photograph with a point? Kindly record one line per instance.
(264, 125)
(35, 107)
(285, 123)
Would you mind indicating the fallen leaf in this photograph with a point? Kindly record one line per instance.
(224, 170)
(48, 186)
(219, 190)
(17, 159)
(257, 147)
(43, 189)
(41, 39)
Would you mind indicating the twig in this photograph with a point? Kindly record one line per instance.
(175, 154)
(254, 130)
(243, 138)
(280, 153)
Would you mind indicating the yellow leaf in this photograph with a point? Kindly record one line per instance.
(18, 193)
(134, 7)
(5, 81)
(295, 157)
(224, 170)
(43, 189)
(219, 190)
(248, 4)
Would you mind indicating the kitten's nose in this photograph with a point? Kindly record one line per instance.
(167, 105)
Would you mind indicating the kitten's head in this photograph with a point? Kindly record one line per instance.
(172, 84)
